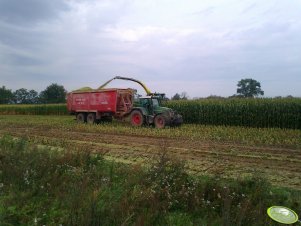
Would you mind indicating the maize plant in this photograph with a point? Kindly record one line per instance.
(33, 109)
(265, 112)
(280, 113)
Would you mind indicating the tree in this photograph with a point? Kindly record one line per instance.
(176, 97)
(20, 96)
(33, 97)
(249, 88)
(53, 94)
(214, 97)
(6, 95)
(182, 96)
(23, 96)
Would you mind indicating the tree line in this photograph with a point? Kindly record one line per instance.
(53, 94)
(246, 88)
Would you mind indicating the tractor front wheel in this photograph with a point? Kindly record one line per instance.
(160, 121)
(137, 118)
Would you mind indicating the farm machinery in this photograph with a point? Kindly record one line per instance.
(93, 105)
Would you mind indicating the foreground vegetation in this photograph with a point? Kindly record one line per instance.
(260, 113)
(41, 185)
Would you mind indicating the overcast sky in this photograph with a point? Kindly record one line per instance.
(203, 47)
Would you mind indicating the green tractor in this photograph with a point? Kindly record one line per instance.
(148, 110)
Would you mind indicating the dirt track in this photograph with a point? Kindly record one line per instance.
(282, 166)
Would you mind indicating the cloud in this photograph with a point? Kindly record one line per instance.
(205, 12)
(138, 33)
(29, 12)
(249, 8)
(202, 48)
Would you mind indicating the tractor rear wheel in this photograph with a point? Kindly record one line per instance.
(137, 118)
(160, 121)
(91, 118)
(81, 117)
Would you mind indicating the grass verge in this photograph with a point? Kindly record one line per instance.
(40, 185)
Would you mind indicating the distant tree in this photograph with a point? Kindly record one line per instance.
(236, 96)
(176, 97)
(214, 97)
(23, 96)
(33, 97)
(249, 88)
(6, 95)
(53, 94)
(182, 96)
(20, 96)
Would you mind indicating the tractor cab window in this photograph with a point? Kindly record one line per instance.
(144, 102)
(155, 103)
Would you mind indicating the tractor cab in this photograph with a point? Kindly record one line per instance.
(150, 103)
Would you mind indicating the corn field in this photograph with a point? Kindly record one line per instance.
(34, 109)
(279, 113)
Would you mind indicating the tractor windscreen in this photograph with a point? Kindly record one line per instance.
(155, 103)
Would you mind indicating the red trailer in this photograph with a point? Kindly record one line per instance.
(94, 105)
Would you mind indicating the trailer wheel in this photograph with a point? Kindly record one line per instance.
(81, 118)
(91, 118)
(137, 118)
(160, 121)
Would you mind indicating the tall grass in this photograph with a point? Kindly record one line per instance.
(40, 185)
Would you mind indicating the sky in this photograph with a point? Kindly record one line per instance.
(202, 48)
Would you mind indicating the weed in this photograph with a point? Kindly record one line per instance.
(40, 185)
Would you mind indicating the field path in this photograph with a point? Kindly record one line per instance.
(282, 166)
